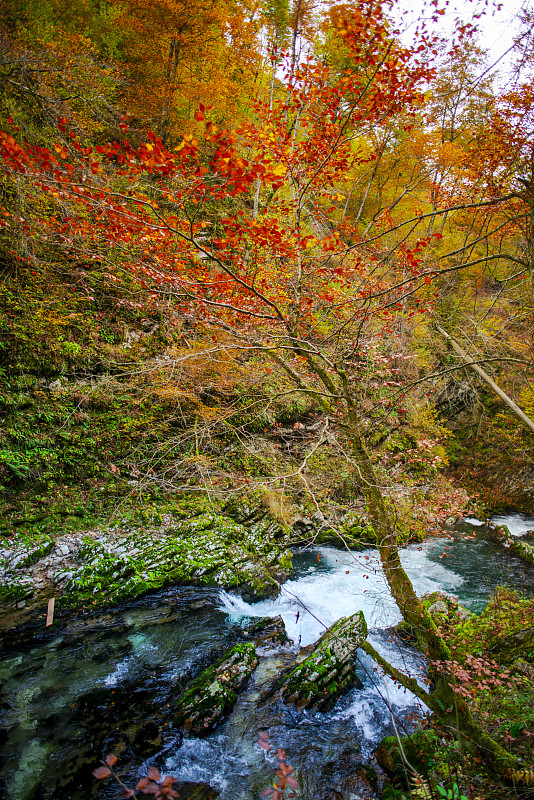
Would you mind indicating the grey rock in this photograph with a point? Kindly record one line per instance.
(329, 671)
(463, 613)
(438, 607)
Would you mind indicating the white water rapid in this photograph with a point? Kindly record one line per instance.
(330, 584)
(336, 584)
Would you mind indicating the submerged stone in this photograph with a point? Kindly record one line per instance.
(346, 776)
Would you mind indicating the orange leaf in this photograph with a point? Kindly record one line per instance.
(101, 772)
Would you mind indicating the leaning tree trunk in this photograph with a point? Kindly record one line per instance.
(399, 583)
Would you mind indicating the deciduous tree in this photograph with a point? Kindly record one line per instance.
(291, 279)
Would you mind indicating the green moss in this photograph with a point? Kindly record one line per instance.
(17, 589)
(498, 629)
(330, 670)
(209, 549)
(210, 697)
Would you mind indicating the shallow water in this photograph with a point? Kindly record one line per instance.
(67, 700)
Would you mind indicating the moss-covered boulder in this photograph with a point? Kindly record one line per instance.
(524, 550)
(209, 550)
(209, 698)
(329, 671)
(425, 755)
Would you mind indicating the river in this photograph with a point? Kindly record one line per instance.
(68, 698)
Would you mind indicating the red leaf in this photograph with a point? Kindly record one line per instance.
(101, 772)
(263, 735)
(111, 760)
(265, 745)
(153, 773)
(281, 754)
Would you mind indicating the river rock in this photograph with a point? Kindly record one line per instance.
(196, 791)
(329, 671)
(112, 565)
(268, 633)
(211, 696)
(347, 777)
(523, 550)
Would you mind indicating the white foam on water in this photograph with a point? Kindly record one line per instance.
(473, 521)
(354, 581)
(119, 673)
(517, 524)
(208, 761)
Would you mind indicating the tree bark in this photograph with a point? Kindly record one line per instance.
(491, 383)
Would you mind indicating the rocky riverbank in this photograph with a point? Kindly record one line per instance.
(110, 565)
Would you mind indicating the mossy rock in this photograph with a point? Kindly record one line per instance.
(208, 550)
(504, 631)
(15, 589)
(209, 699)
(268, 632)
(524, 551)
(425, 751)
(329, 671)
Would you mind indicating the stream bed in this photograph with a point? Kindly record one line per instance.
(105, 683)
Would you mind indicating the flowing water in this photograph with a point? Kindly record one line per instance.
(69, 698)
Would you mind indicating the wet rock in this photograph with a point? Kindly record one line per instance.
(502, 534)
(268, 633)
(114, 565)
(196, 791)
(208, 699)
(329, 671)
(347, 777)
(387, 755)
(523, 550)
